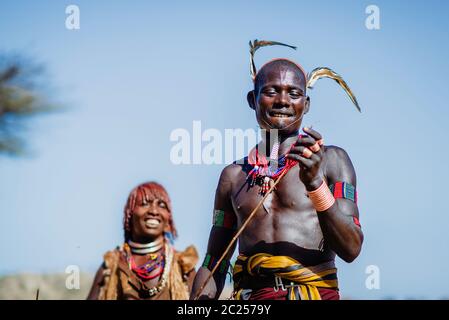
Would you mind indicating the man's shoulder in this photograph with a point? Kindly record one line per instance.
(230, 175)
(338, 165)
(231, 171)
(335, 153)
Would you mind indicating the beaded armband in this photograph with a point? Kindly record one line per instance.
(344, 190)
(347, 191)
(210, 262)
(224, 219)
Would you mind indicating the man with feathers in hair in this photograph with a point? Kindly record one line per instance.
(308, 190)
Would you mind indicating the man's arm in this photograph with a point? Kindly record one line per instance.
(339, 222)
(223, 229)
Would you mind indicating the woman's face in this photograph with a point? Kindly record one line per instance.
(150, 219)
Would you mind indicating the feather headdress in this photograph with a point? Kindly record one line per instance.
(312, 77)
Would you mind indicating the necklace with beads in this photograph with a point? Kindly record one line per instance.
(145, 271)
(156, 260)
(142, 273)
(265, 171)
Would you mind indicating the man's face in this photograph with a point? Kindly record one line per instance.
(150, 220)
(280, 100)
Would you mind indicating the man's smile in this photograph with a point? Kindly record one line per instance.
(278, 114)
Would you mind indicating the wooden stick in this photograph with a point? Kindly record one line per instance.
(239, 232)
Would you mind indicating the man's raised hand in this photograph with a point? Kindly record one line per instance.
(308, 152)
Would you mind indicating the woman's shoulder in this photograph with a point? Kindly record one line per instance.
(187, 259)
(113, 257)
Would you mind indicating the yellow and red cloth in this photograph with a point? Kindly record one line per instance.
(305, 283)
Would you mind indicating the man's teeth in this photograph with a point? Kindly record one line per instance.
(152, 223)
(280, 115)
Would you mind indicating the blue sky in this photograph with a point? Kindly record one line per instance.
(135, 71)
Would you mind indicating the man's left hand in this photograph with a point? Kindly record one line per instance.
(308, 151)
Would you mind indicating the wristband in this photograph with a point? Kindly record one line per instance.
(322, 198)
